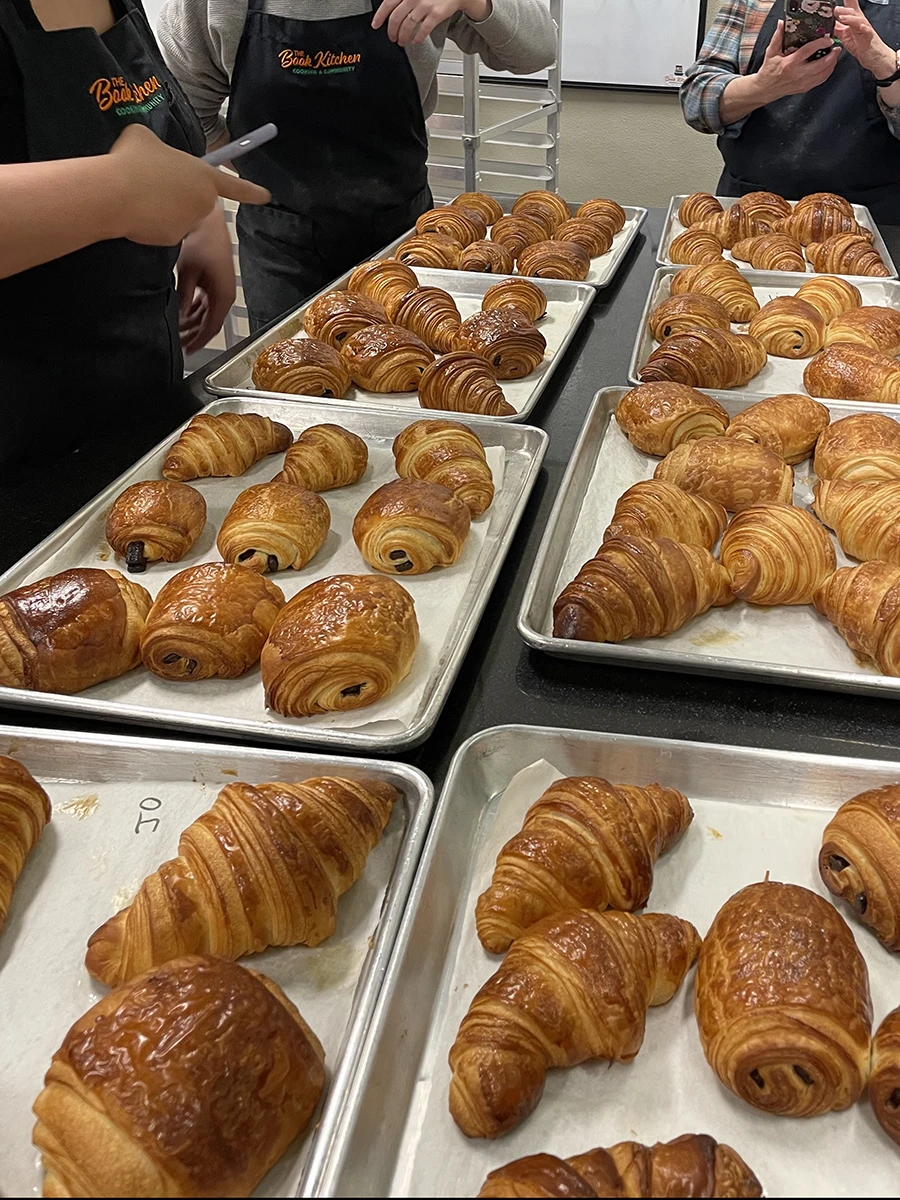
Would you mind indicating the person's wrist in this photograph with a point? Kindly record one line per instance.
(477, 10)
(762, 90)
(114, 195)
(881, 61)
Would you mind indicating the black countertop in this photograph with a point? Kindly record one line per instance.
(502, 681)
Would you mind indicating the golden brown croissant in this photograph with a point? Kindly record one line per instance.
(862, 448)
(335, 316)
(519, 294)
(698, 207)
(724, 282)
(696, 247)
(826, 199)
(585, 843)
(431, 314)
(853, 372)
(776, 554)
(550, 203)
(464, 225)
(847, 254)
(384, 280)
(818, 222)
(555, 260)
(281, 855)
(684, 314)
(24, 811)
(463, 382)
(635, 587)
(576, 987)
(789, 425)
(71, 630)
(765, 207)
(729, 472)
(711, 358)
(208, 622)
(227, 444)
(430, 250)
(865, 517)
(301, 367)
(199, 1044)
(599, 209)
(867, 325)
(155, 519)
(506, 338)
(654, 509)
(409, 526)
(540, 215)
(489, 258)
(691, 1165)
(830, 295)
(771, 252)
(516, 233)
(657, 417)
(343, 642)
(732, 226)
(593, 237)
(884, 1082)
(450, 454)
(486, 206)
(863, 604)
(325, 457)
(274, 526)
(789, 328)
(386, 358)
(782, 1002)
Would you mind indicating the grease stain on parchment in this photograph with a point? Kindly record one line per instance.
(81, 807)
(715, 637)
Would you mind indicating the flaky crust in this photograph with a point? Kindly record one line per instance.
(431, 314)
(24, 811)
(556, 209)
(487, 257)
(517, 232)
(696, 248)
(384, 280)
(776, 554)
(884, 1082)
(830, 295)
(224, 444)
(657, 417)
(724, 282)
(409, 526)
(770, 252)
(604, 210)
(733, 225)
(789, 328)
(862, 448)
(155, 519)
(555, 260)
(464, 225)
(863, 604)
(430, 250)
(519, 294)
(766, 207)
(868, 325)
(486, 206)
(826, 199)
(818, 222)
(684, 314)
(463, 382)
(274, 526)
(789, 425)
(301, 367)
(864, 516)
(654, 509)
(729, 472)
(507, 339)
(325, 457)
(710, 358)
(335, 316)
(386, 358)
(698, 207)
(847, 254)
(449, 454)
(592, 236)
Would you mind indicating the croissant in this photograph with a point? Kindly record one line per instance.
(548, 202)
(302, 367)
(884, 1082)
(782, 1002)
(826, 199)
(770, 252)
(724, 282)
(653, 509)
(540, 215)
(818, 222)
(516, 233)
(343, 642)
(789, 425)
(325, 457)
(310, 841)
(847, 254)
(635, 587)
(154, 520)
(227, 444)
(830, 295)
(593, 237)
(789, 328)
(409, 526)
(576, 987)
(862, 448)
(854, 372)
(434, 250)
(464, 225)
(863, 604)
(192, 1080)
(71, 630)
(657, 417)
(486, 206)
(585, 843)
(274, 526)
(24, 811)
(867, 325)
(684, 314)
(863, 515)
(729, 472)
(384, 280)
(506, 338)
(463, 382)
(386, 358)
(765, 207)
(708, 358)
(732, 226)
(519, 294)
(431, 314)
(490, 258)
(335, 316)
(208, 622)
(698, 207)
(604, 209)
(449, 454)
(690, 1165)
(696, 247)
(555, 260)
(776, 554)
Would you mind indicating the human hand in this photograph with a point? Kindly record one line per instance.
(206, 284)
(793, 74)
(861, 40)
(410, 22)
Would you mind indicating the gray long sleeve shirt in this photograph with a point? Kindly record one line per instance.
(199, 39)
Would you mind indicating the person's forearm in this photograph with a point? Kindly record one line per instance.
(740, 98)
(477, 10)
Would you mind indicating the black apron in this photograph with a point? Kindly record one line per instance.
(89, 338)
(347, 171)
(832, 139)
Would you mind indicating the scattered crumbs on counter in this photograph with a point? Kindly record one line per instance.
(716, 637)
(229, 771)
(714, 833)
(81, 806)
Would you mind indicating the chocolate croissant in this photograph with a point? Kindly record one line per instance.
(209, 622)
(342, 643)
(489, 258)
(696, 248)
(386, 358)
(24, 811)
(486, 206)
(636, 588)
(543, 201)
(301, 367)
(654, 509)
(463, 382)
(782, 1002)
(863, 604)
(69, 631)
(864, 517)
(710, 358)
(519, 294)
(155, 519)
(431, 314)
(733, 225)
(449, 454)
(602, 210)
(384, 280)
(555, 260)
(776, 554)
(464, 225)
(274, 526)
(585, 843)
(818, 222)
(409, 526)
(508, 341)
(226, 444)
(868, 325)
(657, 417)
(862, 448)
(770, 252)
(729, 472)
(826, 199)
(789, 425)
(847, 254)
(765, 207)
(854, 372)
(724, 282)
(325, 457)
(516, 233)
(576, 987)
(789, 328)
(335, 316)
(884, 1082)
(684, 314)
(593, 237)
(430, 250)
(698, 207)
(830, 295)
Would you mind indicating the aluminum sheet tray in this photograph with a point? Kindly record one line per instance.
(755, 811)
(449, 602)
(787, 644)
(673, 227)
(119, 805)
(567, 306)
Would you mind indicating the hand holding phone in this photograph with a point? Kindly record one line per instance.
(806, 21)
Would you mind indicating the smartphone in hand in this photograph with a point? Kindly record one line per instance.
(805, 21)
